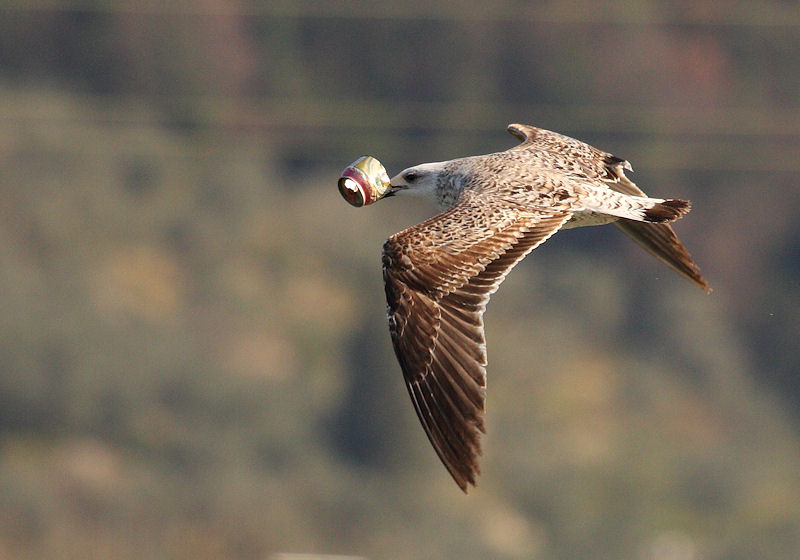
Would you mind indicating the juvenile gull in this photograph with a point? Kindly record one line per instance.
(496, 209)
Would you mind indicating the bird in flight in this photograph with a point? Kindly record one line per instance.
(497, 208)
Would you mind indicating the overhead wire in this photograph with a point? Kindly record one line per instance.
(747, 137)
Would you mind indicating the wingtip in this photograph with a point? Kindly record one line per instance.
(465, 474)
(465, 484)
(516, 130)
(696, 279)
(661, 241)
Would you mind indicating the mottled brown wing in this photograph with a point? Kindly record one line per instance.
(438, 278)
(659, 240)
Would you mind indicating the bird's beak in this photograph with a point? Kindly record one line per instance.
(393, 190)
(394, 187)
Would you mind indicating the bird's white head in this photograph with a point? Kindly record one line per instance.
(420, 180)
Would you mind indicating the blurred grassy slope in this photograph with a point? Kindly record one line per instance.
(196, 366)
(195, 362)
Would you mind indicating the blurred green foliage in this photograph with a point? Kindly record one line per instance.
(195, 361)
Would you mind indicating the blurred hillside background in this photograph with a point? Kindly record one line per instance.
(194, 360)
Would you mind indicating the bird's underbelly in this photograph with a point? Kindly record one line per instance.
(582, 219)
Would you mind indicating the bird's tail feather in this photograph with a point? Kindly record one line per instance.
(667, 211)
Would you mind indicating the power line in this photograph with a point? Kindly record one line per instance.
(454, 116)
(699, 138)
(328, 147)
(763, 14)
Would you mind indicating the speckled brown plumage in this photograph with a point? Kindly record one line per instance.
(440, 274)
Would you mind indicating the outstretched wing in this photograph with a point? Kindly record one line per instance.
(578, 157)
(570, 155)
(438, 277)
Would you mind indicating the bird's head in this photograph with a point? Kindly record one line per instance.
(420, 180)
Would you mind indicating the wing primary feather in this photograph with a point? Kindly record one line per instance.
(432, 428)
(460, 425)
(443, 445)
(660, 241)
(457, 400)
(472, 331)
(466, 381)
(468, 351)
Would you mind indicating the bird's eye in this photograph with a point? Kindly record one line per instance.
(411, 176)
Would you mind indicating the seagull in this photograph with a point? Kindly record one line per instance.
(496, 209)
